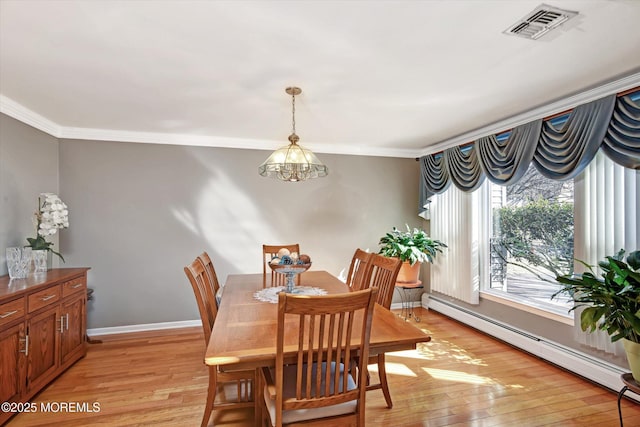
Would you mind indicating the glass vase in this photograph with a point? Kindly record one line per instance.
(18, 262)
(40, 261)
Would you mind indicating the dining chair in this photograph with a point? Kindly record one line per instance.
(315, 385)
(234, 388)
(270, 251)
(382, 274)
(358, 269)
(210, 271)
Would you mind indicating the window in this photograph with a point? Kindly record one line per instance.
(531, 240)
(509, 244)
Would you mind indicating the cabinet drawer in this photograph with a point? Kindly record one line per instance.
(44, 298)
(72, 286)
(12, 310)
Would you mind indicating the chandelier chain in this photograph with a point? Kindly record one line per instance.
(293, 112)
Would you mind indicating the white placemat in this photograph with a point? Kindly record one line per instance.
(271, 294)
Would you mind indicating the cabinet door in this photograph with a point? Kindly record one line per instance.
(43, 357)
(12, 345)
(72, 338)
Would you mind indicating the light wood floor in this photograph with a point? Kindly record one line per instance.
(460, 378)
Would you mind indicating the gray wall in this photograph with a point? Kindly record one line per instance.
(28, 167)
(140, 212)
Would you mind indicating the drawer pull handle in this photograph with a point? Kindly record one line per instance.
(77, 285)
(7, 314)
(67, 321)
(26, 345)
(61, 324)
(47, 297)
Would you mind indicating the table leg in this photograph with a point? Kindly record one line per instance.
(619, 409)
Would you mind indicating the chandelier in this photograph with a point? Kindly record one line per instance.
(292, 162)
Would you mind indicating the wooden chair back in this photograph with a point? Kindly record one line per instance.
(210, 271)
(382, 274)
(270, 277)
(327, 344)
(204, 296)
(210, 274)
(358, 270)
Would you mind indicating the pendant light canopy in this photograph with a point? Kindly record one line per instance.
(292, 162)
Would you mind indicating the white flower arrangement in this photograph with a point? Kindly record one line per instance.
(52, 214)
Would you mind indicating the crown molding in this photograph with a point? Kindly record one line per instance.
(559, 106)
(31, 118)
(224, 142)
(25, 115)
(360, 150)
(161, 138)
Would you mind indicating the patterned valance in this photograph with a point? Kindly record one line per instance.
(557, 151)
(622, 141)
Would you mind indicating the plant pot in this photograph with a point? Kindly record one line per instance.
(40, 258)
(632, 349)
(409, 273)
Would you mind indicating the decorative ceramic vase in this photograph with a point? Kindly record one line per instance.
(632, 349)
(40, 261)
(18, 262)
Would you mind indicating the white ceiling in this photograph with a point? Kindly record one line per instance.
(400, 78)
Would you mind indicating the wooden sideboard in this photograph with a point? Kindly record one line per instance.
(43, 322)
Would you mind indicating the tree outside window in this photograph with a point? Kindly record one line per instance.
(532, 236)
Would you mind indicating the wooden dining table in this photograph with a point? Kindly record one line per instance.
(245, 329)
(244, 333)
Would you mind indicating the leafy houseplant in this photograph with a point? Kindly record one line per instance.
(410, 246)
(413, 246)
(611, 302)
(52, 214)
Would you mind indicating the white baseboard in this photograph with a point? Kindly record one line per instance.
(589, 367)
(142, 328)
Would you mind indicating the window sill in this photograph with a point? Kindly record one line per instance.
(518, 303)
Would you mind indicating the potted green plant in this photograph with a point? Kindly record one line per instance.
(611, 302)
(413, 247)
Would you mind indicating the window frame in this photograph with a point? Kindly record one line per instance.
(550, 311)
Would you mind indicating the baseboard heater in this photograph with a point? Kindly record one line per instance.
(582, 364)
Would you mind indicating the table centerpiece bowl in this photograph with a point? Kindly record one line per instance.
(290, 270)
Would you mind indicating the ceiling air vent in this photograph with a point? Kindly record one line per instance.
(543, 19)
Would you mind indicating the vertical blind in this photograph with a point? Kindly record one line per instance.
(605, 222)
(455, 272)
